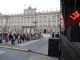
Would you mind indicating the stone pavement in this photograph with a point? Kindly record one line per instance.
(41, 57)
(42, 50)
(26, 43)
(2, 52)
(20, 46)
(13, 47)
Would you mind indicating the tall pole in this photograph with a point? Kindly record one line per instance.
(35, 23)
(6, 17)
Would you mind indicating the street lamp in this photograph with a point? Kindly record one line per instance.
(35, 23)
(6, 23)
(35, 26)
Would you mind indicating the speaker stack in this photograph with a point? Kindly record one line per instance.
(53, 47)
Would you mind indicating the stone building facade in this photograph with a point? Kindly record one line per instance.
(31, 21)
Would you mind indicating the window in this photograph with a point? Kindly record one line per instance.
(53, 18)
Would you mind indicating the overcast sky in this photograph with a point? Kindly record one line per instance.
(17, 6)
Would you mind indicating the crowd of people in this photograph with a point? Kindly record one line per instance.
(18, 37)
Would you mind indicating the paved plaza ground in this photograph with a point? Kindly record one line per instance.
(39, 50)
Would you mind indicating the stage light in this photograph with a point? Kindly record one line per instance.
(75, 17)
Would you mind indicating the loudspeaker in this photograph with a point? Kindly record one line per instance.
(53, 47)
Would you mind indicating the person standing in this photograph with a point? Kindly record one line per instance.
(16, 37)
(19, 39)
(0, 37)
(11, 38)
(5, 38)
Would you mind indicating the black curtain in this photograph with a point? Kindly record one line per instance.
(67, 8)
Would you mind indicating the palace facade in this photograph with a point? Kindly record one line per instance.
(31, 21)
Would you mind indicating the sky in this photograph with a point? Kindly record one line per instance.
(17, 6)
